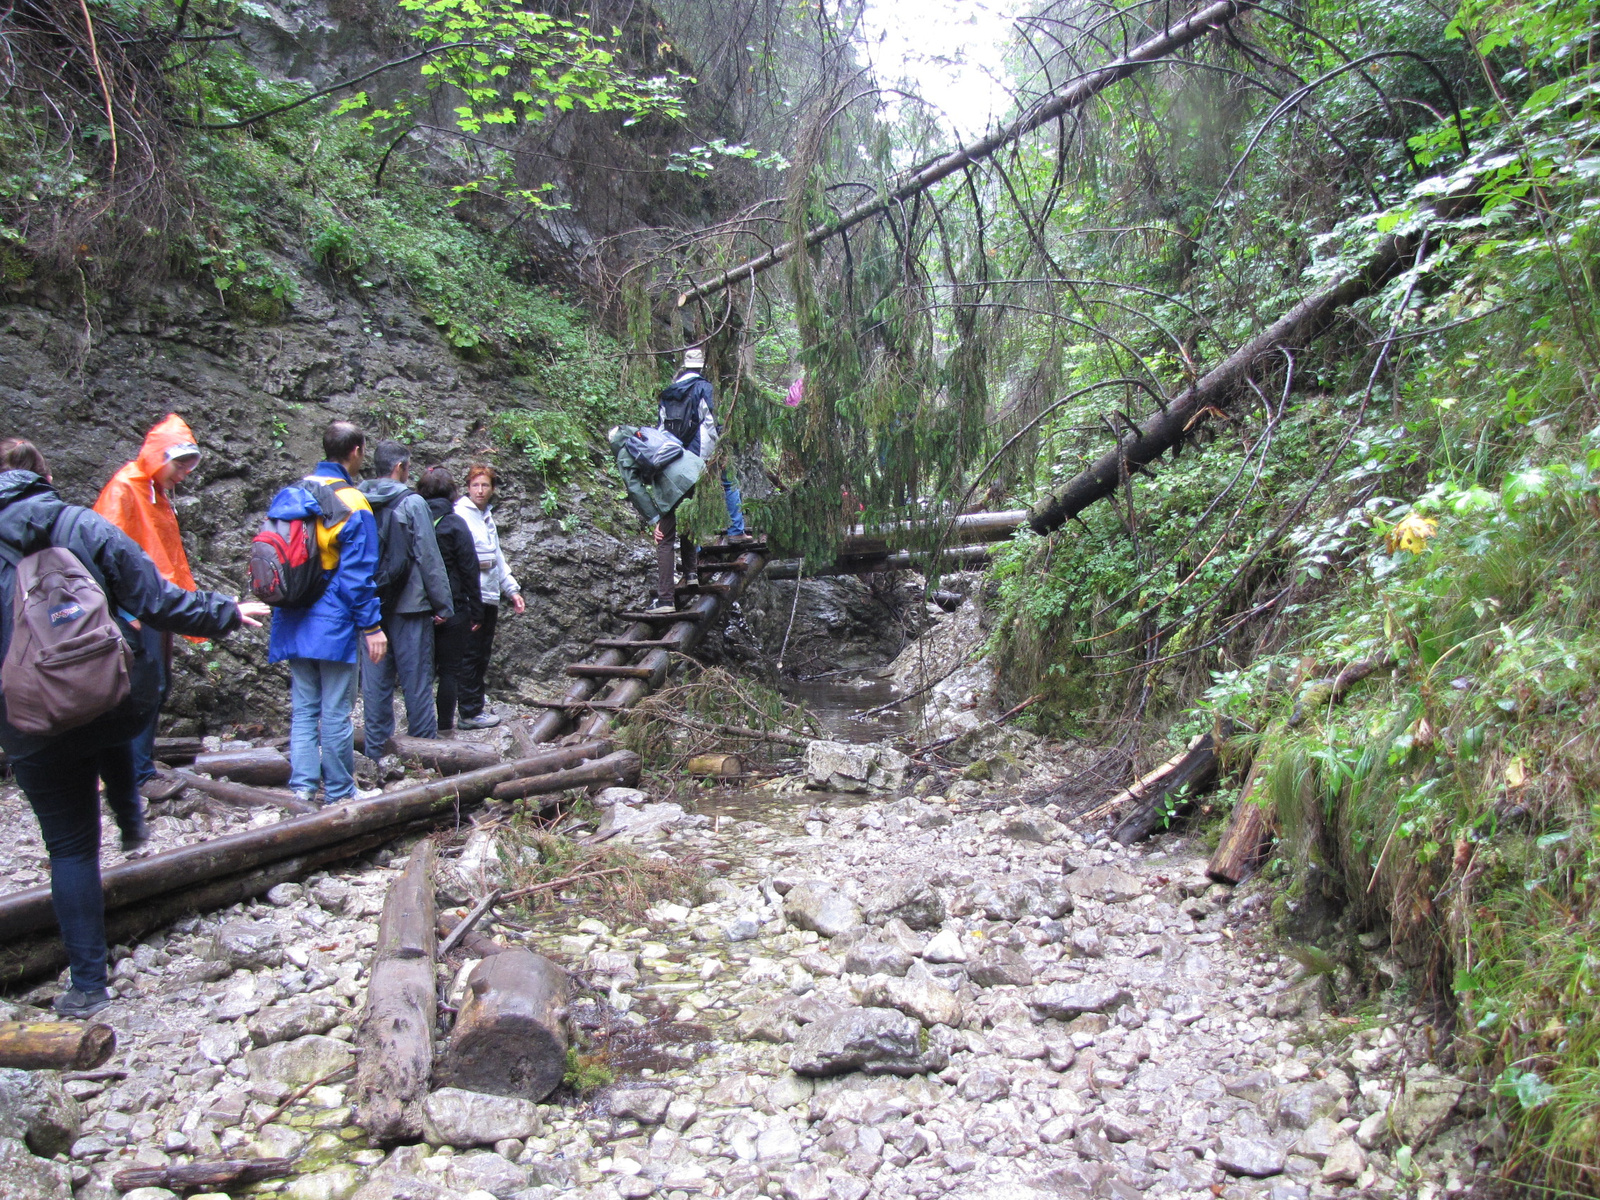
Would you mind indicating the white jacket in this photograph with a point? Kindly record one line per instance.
(498, 580)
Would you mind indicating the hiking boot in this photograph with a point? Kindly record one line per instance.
(135, 835)
(482, 721)
(739, 539)
(662, 606)
(80, 1004)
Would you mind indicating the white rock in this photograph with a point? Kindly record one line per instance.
(944, 947)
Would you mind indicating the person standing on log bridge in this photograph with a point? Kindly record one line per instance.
(438, 487)
(320, 640)
(414, 595)
(138, 501)
(61, 749)
(495, 582)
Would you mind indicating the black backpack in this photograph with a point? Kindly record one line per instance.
(394, 553)
(680, 408)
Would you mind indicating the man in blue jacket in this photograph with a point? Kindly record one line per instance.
(321, 640)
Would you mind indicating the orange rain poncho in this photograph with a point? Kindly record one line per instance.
(134, 503)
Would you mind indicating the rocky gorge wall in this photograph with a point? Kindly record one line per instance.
(85, 382)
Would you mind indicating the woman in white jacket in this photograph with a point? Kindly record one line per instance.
(495, 581)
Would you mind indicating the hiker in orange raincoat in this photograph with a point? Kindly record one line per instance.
(138, 500)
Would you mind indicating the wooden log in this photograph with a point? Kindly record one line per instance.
(438, 754)
(212, 1176)
(510, 1037)
(242, 795)
(465, 926)
(1331, 691)
(589, 670)
(265, 768)
(178, 750)
(621, 768)
(55, 1045)
(394, 1038)
(29, 910)
(1195, 768)
(724, 765)
(472, 943)
(1240, 849)
(953, 558)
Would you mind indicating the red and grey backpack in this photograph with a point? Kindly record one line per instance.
(285, 560)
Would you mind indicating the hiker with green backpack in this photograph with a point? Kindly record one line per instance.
(414, 595)
(78, 682)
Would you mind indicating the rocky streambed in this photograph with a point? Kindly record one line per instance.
(905, 997)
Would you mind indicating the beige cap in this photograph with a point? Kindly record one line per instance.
(694, 358)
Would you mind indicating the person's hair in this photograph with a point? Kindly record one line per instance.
(387, 455)
(477, 469)
(437, 483)
(19, 454)
(340, 440)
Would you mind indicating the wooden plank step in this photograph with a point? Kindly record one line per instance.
(676, 615)
(704, 589)
(643, 644)
(602, 705)
(600, 671)
(732, 551)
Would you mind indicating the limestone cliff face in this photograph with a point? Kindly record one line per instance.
(86, 386)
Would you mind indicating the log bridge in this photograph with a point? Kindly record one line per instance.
(565, 747)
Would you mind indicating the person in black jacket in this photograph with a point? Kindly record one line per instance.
(438, 487)
(61, 775)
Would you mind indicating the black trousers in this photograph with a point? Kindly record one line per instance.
(475, 664)
(449, 655)
(667, 550)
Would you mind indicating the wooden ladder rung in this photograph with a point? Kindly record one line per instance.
(704, 589)
(601, 671)
(643, 644)
(604, 705)
(676, 615)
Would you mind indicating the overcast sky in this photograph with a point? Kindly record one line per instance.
(953, 50)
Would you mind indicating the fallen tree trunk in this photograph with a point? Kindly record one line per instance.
(55, 1045)
(31, 957)
(952, 558)
(619, 769)
(1081, 90)
(1237, 853)
(394, 1038)
(175, 750)
(438, 754)
(1169, 428)
(26, 911)
(1194, 768)
(1331, 691)
(266, 768)
(510, 1037)
(240, 794)
(212, 1176)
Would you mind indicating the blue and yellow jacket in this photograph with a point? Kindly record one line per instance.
(349, 543)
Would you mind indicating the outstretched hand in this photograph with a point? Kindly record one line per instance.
(252, 613)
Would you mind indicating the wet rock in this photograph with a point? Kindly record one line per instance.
(1300, 1106)
(909, 898)
(286, 1022)
(1344, 1164)
(1064, 1001)
(281, 895)
(840, 766)
(455, 1117)
(1424, 1108)
(26, 1177)
(646, 1105)
(1033, 827)
(1250, 1156)
(877, 958)
(1109, 884)
(999, 966)
(984, 1084)
(485, 1171)
(944, 947)
(627, 823)
(773, 1021)
(806, 1182)
(332, 894)
(248, 945)
(878, 1041)
(294, 1064)
(35, 1109)
(336, 1183)
(818, 906)
(923, 998)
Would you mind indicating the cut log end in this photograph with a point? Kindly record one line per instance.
(510, 1037)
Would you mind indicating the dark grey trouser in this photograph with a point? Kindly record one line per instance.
(666, 552)
(410, 663)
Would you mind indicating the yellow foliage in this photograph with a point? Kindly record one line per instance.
(1411, 534)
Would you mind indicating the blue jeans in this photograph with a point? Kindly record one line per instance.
(410, 663)
(322, 742)
(61, 782)
(735, 503)
(159, 647)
